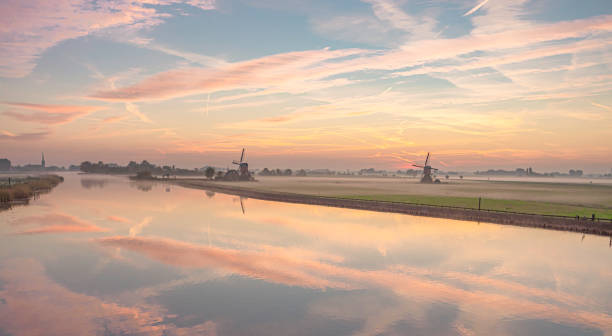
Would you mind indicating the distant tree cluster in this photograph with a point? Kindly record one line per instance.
(527, 172)
(573, 172)
(498, 172)
(135, 168)
(276, 172)
(409, 172)
(370, 171)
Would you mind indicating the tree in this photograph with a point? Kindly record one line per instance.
(209, 172)
(577, 172)
(86, 166)
(5, 164)
(288, 172)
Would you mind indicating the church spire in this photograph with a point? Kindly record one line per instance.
(42, 161)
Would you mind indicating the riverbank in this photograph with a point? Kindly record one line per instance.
(355, 201)
(19, 190)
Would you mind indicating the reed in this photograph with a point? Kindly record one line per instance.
(24, 188)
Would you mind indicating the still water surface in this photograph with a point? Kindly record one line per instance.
(107, 256)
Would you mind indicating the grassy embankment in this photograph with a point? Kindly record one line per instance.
(527, 207)
(543, 198)
(22, 189)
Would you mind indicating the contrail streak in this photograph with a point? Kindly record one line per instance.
(602, 106)
(471, 11)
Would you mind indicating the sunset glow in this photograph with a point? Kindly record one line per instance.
(308, 84)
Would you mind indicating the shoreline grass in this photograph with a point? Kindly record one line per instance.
(516, 206)
(22, 189)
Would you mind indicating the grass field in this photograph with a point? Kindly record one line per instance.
(530, 207)
(548, 198)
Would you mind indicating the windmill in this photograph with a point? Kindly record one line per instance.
(427, 170)
(243, 168)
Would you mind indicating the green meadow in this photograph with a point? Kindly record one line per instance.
(528, 207)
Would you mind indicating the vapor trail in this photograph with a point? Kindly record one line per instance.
(602, 106)
(132, 108)
(471, 11)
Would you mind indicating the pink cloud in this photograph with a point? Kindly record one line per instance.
(48, 114)
(263, 265)
(62, 229)
(29, 28)
(500, 297)
(5, 135)
(113, 119)
(36, 305)
(298, 70)
(55, 223)
(118, 219)
(265, 71)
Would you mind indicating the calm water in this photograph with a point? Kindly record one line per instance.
(102, 255)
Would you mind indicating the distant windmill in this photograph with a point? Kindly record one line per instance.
(242, 174)
(243, 167)
(427, 172)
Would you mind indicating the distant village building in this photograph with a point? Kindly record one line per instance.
(5, 164)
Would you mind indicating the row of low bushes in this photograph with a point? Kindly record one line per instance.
(27, 187)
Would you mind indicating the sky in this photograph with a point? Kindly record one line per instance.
(309, 84)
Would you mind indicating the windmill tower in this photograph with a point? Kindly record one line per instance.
(427, 171)
(243, 168)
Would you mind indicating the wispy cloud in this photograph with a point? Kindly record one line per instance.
(113, 119)
(261, 72)
(119, 219)
(61, 229)
(305, 271)
(31, 28)
(420, 27)
(300, 69)
(55, 223)
(48, 114)
(60, 311)
(6, 135)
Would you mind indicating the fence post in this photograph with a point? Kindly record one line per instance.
(479, 203)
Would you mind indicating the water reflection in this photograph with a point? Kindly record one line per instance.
(121, 261)
(143, 186)
(89, 183)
